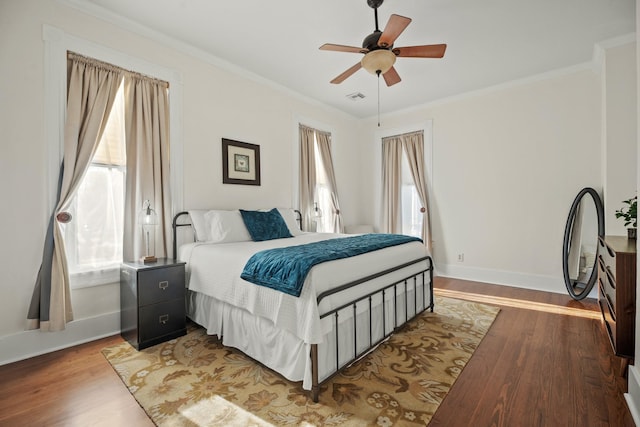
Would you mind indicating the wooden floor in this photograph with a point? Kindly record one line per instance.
(546, 361)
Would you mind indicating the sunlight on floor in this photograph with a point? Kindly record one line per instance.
(518, 303)
(218, 411)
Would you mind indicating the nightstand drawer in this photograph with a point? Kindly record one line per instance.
(160, 285)
(161, 319)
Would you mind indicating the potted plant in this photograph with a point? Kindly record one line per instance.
(629, 213)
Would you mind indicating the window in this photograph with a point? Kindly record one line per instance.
(57, 44)
(410, 204)
(317, 183)
(323, 193)
(93, 239)
(400, 199)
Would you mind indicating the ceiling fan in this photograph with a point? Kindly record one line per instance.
(378, 50)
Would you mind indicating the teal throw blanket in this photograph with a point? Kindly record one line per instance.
(285, 269)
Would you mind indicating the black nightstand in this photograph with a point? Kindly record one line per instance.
(152, 302)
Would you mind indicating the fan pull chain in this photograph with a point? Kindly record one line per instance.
(378, 73)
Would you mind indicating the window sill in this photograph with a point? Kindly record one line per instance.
(98, 277)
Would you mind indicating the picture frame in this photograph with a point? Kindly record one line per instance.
(240, 162)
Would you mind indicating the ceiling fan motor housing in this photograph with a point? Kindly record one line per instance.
(371, 42)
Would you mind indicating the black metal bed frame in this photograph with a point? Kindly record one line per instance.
(383, 292)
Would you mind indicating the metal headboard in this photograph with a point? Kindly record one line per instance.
(175, 226)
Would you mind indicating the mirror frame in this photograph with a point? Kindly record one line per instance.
(567, 238)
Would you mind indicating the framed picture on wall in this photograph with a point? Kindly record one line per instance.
(240, 162)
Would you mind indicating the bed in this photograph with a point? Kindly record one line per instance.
(346, 307)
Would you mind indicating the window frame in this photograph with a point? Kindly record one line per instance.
(427, 128)
(56, 45)
(83, 278)
(295, 151)
(321, 187)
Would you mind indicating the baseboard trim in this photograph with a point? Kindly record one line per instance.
(535, 282)
(633, 395)
(27, 344)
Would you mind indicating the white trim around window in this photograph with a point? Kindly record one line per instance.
(295, 151)
(427, 128)
(56, 45)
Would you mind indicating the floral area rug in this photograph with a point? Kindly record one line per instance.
(196, 381)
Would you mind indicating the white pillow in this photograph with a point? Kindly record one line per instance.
(199, 224)
(291, 219)
(226, 227)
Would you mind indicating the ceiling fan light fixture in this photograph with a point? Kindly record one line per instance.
(380, 60)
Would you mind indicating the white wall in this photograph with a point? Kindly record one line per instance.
(620, 167)
(216, 103)
(507, 164)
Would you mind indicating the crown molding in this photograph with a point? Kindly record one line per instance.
(103, 14)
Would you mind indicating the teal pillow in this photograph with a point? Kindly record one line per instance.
(265, 225)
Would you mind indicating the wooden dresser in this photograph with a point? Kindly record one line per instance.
(617, 291)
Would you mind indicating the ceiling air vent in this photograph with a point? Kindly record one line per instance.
(355, 96)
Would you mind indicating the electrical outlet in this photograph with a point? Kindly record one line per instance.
(461, 257)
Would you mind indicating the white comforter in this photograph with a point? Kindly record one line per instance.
(214, 270)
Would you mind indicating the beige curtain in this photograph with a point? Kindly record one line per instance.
(147, 140)
(307, 182)
(391, 181)
(413, 144)
(92, 88)
(323, 140)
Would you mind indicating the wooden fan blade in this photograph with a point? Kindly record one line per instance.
(342, 77)
(426, 51)
(391, 77)
(342, 48)
(394, 28)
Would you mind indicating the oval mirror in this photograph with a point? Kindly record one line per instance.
(579, 249)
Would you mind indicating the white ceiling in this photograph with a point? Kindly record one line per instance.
(489, 42)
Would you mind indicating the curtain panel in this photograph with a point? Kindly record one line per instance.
(307, 179)
(391, 184)
(148, 178)
(412, 144)
(323, 140)
(92, 88)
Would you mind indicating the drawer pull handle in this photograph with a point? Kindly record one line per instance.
(164, 318)
(612, 254)
(611, 277)
(163, 285)
(610, 306)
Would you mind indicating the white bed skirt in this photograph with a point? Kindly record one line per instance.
(282, 351)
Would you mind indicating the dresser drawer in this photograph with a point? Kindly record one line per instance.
(160, 285)
(609, 321)
(608, 257)
(608, 306)
(609, 289)
(161, 319)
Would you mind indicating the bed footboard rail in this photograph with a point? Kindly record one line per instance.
(390, 289)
